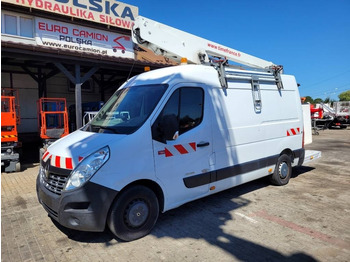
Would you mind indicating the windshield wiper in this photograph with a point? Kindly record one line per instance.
(106, 128)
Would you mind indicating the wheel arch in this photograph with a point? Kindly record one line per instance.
(151, 185)
(289, 153)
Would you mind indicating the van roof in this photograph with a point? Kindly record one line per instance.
(195, 74)
(180, 73)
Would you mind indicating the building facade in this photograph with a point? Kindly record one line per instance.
(74, 49)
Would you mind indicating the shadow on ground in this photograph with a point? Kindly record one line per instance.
(204, 219)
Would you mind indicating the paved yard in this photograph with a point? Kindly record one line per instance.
(307, 220)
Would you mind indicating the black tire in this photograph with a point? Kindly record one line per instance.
(283, 171)
(134, 213)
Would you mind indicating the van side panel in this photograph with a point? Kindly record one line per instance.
(247, 142)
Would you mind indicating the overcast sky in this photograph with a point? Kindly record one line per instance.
(310, 38)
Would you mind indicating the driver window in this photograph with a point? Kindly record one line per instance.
(183, 112)
(191, 108)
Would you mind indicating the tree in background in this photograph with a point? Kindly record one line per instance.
(345, 96)
(328, 100)
(318, 101)
(308, 99)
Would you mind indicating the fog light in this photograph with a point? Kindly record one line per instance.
(74, 221)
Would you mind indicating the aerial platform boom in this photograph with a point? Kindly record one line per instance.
(176, 44)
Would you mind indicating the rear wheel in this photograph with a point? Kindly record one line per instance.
(134, 213)
(283, 171)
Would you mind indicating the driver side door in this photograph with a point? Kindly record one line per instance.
(182, 144)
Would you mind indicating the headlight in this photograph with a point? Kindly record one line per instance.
(87, 168)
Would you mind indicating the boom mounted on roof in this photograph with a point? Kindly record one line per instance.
(176, 44)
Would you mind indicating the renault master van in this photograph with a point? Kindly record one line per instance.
(167, 137)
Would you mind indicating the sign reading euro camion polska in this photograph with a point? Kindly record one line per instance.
(66, 36)
(108, 12)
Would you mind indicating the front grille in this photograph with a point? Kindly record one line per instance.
(55, 180)
(55, 183)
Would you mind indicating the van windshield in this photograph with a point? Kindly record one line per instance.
(127, 109)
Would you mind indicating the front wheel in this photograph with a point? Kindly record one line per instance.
(283, 171)
(134, 213)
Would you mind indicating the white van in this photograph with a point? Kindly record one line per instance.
(167, 137)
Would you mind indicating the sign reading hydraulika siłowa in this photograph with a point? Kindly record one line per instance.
(108, 12)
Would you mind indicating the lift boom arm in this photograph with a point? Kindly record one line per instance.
(176, 44)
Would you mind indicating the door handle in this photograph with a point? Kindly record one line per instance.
(202, 144)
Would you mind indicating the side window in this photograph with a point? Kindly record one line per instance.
(191, 108)
(182, 112)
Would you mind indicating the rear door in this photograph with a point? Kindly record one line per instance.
(182, 144)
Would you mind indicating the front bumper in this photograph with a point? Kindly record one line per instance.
(84, 209)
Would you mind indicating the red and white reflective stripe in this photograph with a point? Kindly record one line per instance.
(58, 161)
(62, 162)
(179, 149)
(293, 131)
(46, 156)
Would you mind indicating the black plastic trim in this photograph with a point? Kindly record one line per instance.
(84, 209)
(231, 171)
(301, 155)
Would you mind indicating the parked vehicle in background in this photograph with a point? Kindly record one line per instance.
(52, 121)
(342, 114)
(325, 116)
(10, 119)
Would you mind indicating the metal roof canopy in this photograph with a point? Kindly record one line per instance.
(42, 63)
